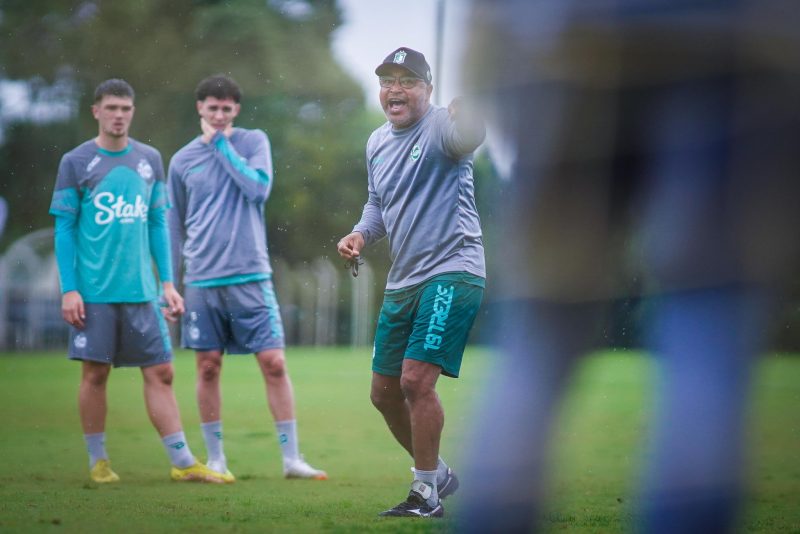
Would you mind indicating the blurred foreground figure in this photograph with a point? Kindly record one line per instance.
(652, 139)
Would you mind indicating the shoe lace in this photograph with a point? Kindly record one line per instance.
(414, 500)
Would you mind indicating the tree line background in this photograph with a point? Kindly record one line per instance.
(280, 53)
(293, 88)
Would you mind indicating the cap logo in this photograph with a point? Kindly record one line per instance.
(399, 57)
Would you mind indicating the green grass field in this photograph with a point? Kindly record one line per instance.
(44, 484)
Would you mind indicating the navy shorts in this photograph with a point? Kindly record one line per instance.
(122, 335)
(238, 318)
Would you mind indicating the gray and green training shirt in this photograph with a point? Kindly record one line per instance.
(218, 191)
(110, 223)
(421, 194)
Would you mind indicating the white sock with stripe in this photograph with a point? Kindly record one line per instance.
(178, 450)
(212, 435)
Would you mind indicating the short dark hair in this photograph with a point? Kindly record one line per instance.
(219, 86)
(113, 87)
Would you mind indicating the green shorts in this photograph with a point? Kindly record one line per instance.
(429, 321)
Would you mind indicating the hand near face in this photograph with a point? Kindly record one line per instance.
(208, 130)
(217, 115)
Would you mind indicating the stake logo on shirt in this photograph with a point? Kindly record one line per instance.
(110, 209)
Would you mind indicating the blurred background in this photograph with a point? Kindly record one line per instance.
(306, 68)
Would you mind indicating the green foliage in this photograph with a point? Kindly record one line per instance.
(599, 434)
(293, 88)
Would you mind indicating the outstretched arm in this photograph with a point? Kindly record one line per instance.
(465, 130)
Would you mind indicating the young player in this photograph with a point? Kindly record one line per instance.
(218, 184)
(421, 195)
(110, 206)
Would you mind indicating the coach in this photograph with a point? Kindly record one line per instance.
(421, 195)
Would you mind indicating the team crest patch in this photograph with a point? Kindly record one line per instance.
(93, 163)
(415, 153)
(80, 341)
(400, 57)
(144, 169)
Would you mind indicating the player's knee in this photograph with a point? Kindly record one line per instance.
(161, 374)
(209, 371)
(274, 366)
(96, 377)
(414, 387)
(385, 398)
(382, 401)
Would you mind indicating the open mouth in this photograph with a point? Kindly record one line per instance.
(395, 104)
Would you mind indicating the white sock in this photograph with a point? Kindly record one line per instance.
(287, 438)
(441, 471)
(96, 445)
(429, 478)
(212, 434)
(179, 453)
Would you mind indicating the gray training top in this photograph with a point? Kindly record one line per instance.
(421, 194)
(218, 191)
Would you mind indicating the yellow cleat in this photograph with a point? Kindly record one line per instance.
(197, 473)
(101, 472)
(227, 477)
(223, 471)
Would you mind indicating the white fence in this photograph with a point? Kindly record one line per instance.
(321, 303)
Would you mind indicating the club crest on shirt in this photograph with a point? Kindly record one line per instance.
(415, 153)
(144, 169)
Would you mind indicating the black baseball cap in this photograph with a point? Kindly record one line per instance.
(409, 59)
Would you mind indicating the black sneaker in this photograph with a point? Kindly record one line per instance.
(416, 505)
(449, 486)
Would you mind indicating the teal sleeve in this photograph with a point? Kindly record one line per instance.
(251, 176)
(159, 243)
(66, 252)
